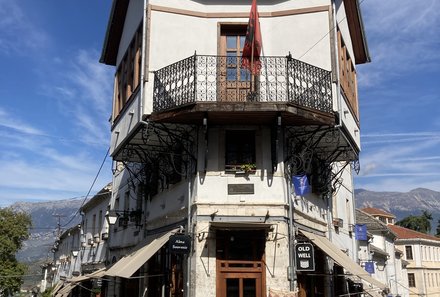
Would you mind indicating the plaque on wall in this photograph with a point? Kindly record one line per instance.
(240, 189)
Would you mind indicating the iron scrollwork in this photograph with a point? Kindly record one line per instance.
(204, 78)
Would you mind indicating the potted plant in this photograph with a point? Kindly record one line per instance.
(248, 167)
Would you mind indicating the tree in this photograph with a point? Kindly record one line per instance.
(420, 223)
(438, 229)
(14, 229)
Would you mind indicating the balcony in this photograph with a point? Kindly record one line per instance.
(217, 87)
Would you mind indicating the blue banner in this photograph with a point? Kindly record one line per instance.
(369, 267)
(360, 231)
(301, 184)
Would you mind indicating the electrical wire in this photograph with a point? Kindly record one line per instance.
(90, 189)
(325, 35)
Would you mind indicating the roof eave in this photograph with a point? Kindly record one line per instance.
(114, 32)
(357, 31)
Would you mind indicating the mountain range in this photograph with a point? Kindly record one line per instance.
(402, 205)
(51, 218)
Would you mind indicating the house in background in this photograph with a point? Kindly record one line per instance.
(378, 254)
(380, 214)
(422, 251)
(80, 254)
(67, 261)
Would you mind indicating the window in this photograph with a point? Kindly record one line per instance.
(408, 252)
(140, 196)
(347, 74)
(127, 201)
(234, 81)
(94, 225)
(99, 222)
(240, 149)
(128, 74)
(411, 280)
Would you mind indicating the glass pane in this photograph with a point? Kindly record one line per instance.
(249, 287)
(231, 59)
(231, 42)
(232, 287)
(242, 39)
(245, 75)
(231, 74)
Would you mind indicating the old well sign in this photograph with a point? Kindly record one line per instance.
(304, 257)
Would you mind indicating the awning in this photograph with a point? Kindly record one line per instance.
(65, 291)
(57, 287)
(96, 274)
(342, 259)
(128, 265)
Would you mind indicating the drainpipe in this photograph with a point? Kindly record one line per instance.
(144, 59)
(189, 232)
(336, 59)
(292, 270)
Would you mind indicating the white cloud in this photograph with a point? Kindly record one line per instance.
(18, 34)
(403, 37)
(83, 93)
(8, 121)
(400, 161)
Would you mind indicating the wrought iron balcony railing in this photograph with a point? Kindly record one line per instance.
(201, 78)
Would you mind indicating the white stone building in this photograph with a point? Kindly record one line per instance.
(388, 262)
(80, 254)
(422, 251)
(206, 151)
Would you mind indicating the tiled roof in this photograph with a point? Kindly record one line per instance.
(373, 224)
(405, 233)
(376, 211)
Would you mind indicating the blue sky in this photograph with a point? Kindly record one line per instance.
(55, 98)
(399, 96)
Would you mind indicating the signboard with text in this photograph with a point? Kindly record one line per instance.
(180, 244)
(304, 257)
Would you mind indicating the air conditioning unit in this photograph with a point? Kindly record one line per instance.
(338, 222)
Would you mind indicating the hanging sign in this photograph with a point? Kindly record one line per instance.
(369, 267)
(304, 257)
(180, 244)
(360, 232)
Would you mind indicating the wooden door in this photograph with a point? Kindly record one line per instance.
(234, 81)
(241, 284)
(240, 264)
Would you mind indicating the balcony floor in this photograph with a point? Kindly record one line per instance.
(240, 113)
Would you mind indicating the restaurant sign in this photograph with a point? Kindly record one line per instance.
(180, 244)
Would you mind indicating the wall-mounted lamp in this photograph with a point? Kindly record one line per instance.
(111, 217)
(75, 253)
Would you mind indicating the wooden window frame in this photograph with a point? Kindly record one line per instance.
(246, 160)
(411, 280)
(348, 77)
(408, 252)
(128, 74)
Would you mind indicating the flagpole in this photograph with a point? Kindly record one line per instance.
(252, 64)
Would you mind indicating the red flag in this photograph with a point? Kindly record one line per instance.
(253, 43)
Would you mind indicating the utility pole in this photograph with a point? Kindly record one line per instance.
(58, 216)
